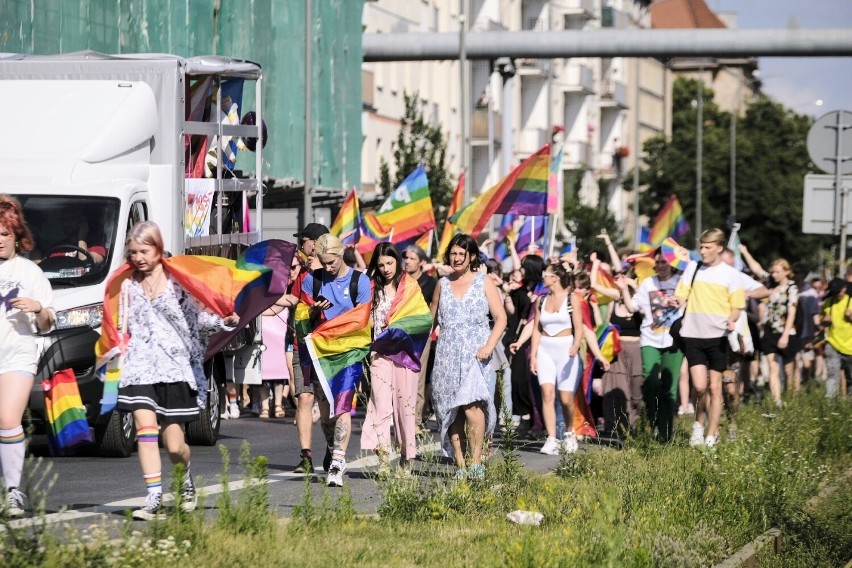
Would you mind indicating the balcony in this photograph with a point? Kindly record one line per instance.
(577, 78)
(575, 154)
(479, 127)
(532, 139)
(613, 95)
(575, 8)
(614, 19)
(532, 67)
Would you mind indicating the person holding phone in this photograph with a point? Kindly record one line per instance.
(334, 289)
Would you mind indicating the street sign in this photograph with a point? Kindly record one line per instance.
(822, 141)
(820, 204)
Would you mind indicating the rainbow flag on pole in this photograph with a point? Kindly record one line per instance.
(409, 208)
(372, 233)
(425, 242)
(347, 224)
(523, 191)
(337, 348)
(524, 231)
(246, 286)
(455, 206)
(408, 326)
(670, 222)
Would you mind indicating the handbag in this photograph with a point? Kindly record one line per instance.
(66, 415)
(674, 328)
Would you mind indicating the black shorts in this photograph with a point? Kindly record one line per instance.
(172, 402)
(712, 353)
(769, 345)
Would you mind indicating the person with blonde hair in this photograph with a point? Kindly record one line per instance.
(334, 289)
(162, 380)
(713, 295)
(26, 303)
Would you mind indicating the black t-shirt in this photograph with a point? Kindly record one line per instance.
(521, 300)
(427, 287)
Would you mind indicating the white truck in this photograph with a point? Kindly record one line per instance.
(92, 144)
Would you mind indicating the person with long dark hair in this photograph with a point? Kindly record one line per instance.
(394, 368)
(27, 298)
(462, 302)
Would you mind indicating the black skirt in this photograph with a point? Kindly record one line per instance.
(172, 402)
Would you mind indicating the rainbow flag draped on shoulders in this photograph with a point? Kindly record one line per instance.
(669, 222)
(337, 348)
(246, 286)
(408, 326)
(523, 191)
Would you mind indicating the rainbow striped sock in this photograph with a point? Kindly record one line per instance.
(12, 436)
(154, 482)
(12, 450)
(148, 434)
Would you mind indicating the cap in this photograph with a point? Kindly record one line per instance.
(312, 231)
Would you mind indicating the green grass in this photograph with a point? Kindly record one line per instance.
(646, 505)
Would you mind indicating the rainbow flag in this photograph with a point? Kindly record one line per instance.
(347, 224)
(532, 230)
(373, 232)
(609, 341)
(606, 280)
(337, 349)
(669, 222)
(643, 265)
(65, 413)
(424, 242)
(523, 191)
(554, 184)
(643, 239)
(246, 286)
(455, 206)
(408, 326)
(409, 208)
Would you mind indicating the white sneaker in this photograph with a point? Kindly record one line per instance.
(16, 504)
(335, 473)
(711, 441)
(189, 496)
(550, 447)
(226, 415)
(234, 411)
(152, 510)
(569, 443)
(697, 437)
(690, 409)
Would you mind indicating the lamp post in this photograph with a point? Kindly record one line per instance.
(699, 154)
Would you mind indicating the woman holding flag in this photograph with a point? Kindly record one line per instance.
(462, 302)
(401, 326)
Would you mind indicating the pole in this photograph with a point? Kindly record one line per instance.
(699, 157)
(309, 158)
(636, 142)
(463, 94)
(490, 110)
(733, 183)
(839, 192)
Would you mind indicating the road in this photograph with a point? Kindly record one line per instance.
(90, 489)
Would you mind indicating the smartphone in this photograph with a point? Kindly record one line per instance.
(321, 298)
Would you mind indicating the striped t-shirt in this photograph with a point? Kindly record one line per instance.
(716, 291)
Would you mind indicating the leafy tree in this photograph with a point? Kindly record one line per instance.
(418, 141)
(586, 222)
(772, 161)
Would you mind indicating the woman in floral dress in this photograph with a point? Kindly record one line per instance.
(463, 301)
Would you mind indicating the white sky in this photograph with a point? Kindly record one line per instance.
(798, 82)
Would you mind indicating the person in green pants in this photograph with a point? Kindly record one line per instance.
(661, 359)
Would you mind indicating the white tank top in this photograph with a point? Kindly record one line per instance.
(554, 323)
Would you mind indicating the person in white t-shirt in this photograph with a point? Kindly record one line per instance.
(25, 298)
(661, 359)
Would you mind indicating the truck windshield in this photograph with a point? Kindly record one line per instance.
(74, 236)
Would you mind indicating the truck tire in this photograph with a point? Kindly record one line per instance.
(205, 430)
(116, 438)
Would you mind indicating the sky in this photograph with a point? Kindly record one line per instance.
(799, 82)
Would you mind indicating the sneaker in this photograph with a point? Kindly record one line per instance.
(476, 472)
(569, 443)
(234, 411)
(550, 447)
(226, 415)
(326, 460)
(306, 464)
(335, 473)
(152, 510)
(16, 503)
(188, 495)
(690, 409)
(697, 437)
(711, 441)
(461, 473)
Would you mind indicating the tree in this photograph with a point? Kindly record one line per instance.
(586, 222)
(772, 161)
(418, 141)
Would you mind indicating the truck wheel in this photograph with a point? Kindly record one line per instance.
(205, 430)
(116, 438)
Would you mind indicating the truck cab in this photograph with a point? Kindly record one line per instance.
(97, 143)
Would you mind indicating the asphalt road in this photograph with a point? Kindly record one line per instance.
(84, 490)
